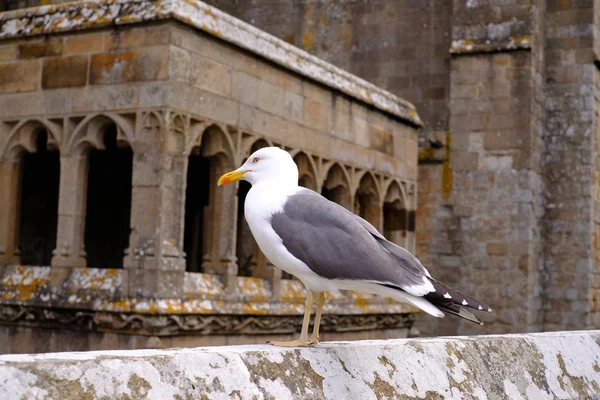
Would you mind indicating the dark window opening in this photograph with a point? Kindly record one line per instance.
(108, 211)
(395, 219)
(196, 199)
(40, 179)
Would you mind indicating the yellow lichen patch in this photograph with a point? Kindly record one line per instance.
(209, 13)
(292, 290)
(522, 40)
(25, 280)
(96, 279)
(254, 308)
(254, 287)
(307, 40)
(198, 284)
(426, 154)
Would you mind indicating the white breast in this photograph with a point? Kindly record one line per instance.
(264, 200)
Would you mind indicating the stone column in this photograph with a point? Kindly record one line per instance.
(225, 238)
(154, 261)
(9, 212)
(70, 252)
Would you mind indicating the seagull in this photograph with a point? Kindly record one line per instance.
(329, 248)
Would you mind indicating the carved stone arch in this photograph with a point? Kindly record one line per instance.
(336, 185)
(366, 180)
(409, 190)
(215, 142)
(178, 129)
(23, 138)
(336, 175)
(293, 152)
(194, 139)
(394, 191)
(368, 202)
(89, 133)
(396, 214)
(307, 170)
(252, 143)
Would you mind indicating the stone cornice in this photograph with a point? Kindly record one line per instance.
(185, 324)
(97, 14)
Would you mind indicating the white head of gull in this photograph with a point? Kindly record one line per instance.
(329, 248)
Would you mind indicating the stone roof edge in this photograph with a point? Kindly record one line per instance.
(90, 14)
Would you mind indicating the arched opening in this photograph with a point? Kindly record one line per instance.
(108, 202)
(196, 200)
(250, 260)
(205, 204)
(335, 187)
(306, 173)
(40, 179)
(366, 201)
(395, 216)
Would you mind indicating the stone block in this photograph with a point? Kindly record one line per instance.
(152, 94)
(21, 76)
(360, 131)
(101, 98)
(257, 93)
(210, 75)
(202, 103)
(497, 248)
(293, 106)
(317, 92)
(128, 38)
(412, 152)
(85, 43)
(317, 115)
(8, 52)
(66, 71)
(179, 64)
(146, 64)
(381, 139)
(464, 161)
(341, 125)
(20, 104)
(42, 49)
(506, 139)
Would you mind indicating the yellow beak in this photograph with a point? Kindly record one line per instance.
(231, 177)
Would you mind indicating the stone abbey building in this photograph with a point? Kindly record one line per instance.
(109, 109)
(116, 120)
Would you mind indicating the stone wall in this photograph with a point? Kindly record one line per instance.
(508, 196)
(400, 45)
(509, 211)
(537, 366)
(172, 82)
(571, 156)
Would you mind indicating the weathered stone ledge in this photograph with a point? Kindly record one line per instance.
(467, 46)
(94, 14)
(528, 366)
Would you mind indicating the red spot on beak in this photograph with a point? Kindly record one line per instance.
(226, 181)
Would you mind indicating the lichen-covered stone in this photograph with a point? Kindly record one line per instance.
(535, 366)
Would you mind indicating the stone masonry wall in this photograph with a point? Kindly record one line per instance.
(569, 167)
(512, 215)
(560, 365)
(400, 45)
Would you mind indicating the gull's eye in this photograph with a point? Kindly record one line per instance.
(255, 160)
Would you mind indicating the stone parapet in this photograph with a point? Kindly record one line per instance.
(94, 300)
(534, 366)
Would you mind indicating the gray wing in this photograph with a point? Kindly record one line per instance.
(336, 244)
